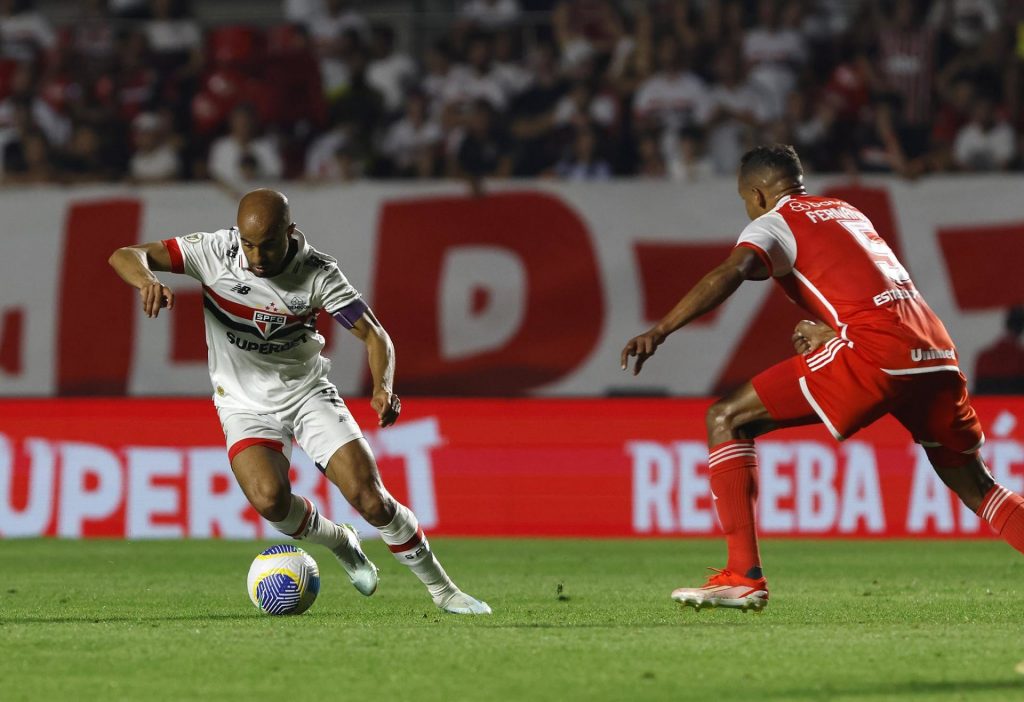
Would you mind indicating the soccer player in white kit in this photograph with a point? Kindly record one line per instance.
(263, 286)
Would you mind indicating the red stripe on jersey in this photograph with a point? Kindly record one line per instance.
(243, 444)
(174, 251)
(245, 312)
(761, 254)
(409, 545)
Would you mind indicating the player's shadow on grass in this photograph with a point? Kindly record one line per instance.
(899, 689)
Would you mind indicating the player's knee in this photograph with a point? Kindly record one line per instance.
(273, 502)
(720, 417)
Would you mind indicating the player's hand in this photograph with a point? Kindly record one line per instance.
(810, 336)
(154, 296)
(387, 406)
(642, 347)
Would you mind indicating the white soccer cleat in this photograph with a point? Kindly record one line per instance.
(460, 603)
(726, 589)
(361, 570)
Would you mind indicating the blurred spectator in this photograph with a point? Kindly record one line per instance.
(952, 116)
(171, 33)
(737, 109)
(584, 162)
(29, 161)
(684, 157)
(440, 72)
(533, 115)
(83, 160)
(25, 33)
(489, 15)
(322, 162)
(906, 54)
(156, 157)
(390, 73)
(133, 86)
(652, 163)
(412, 142)
(675, 97)
(586, 27)
(999, 369)
(55, 126)
(479, 81)
(93, 36)
(582, 105)
(967, 22)
(261, 158)
(361, 104)
(485, 149)
(987, 142)
(775, 50)
(511, 75)
(303, 12)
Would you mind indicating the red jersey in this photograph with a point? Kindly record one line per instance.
(830, 261)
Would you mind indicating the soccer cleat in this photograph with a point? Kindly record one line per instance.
(361, 570)
(460, 603)
(725, 589)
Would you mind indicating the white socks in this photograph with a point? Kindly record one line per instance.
(406, 540)
(305, 523)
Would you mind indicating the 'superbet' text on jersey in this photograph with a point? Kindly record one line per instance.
(264, 350)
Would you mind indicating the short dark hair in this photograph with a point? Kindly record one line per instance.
(1015, 320)
(778, 158)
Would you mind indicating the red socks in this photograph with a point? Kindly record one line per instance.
(1004, 510)
(733, 467)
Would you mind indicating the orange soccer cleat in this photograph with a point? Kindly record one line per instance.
(726, 589)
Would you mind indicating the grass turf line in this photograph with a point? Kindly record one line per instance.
(848, 620)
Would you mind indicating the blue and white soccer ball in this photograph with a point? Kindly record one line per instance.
(283, 580)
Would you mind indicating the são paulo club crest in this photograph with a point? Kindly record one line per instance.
(268, 322)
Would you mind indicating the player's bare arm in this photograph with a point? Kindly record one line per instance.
(809, 336)
(136, 264)
(381, 356)
(711, 291)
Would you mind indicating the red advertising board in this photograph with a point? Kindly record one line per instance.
(601, 468)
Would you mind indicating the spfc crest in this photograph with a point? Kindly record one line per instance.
(267, 322)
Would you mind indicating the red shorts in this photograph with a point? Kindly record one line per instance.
(847, 393)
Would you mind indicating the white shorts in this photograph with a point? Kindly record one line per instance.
(320, 425)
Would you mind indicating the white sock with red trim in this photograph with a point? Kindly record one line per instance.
(305, 524)
(406, 540)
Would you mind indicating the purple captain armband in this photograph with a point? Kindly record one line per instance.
(348, 315)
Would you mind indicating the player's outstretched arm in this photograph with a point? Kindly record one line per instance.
(135, 265)
(711, 291)
(381, 356)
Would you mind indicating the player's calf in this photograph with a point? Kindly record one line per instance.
(304, 522)
(409, 545)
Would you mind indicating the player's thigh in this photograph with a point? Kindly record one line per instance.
(259, 450)
(323, 426)
(845, 391)
(936, 410)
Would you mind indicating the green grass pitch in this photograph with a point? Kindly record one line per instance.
(574, 620)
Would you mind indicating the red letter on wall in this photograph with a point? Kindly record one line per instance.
(494, 295)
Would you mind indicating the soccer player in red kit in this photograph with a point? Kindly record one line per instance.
(878, 349)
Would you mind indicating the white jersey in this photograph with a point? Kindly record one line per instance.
(264, 350)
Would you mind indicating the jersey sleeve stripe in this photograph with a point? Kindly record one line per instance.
(174, 251)
(761, 254)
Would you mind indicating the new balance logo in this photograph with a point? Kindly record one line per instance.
(241, 289)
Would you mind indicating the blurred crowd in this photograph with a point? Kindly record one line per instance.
(140, 91)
